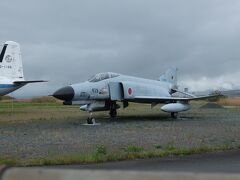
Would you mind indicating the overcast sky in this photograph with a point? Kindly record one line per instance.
(67, 41)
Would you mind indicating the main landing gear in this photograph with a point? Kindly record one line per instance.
(113, 110)
(113, 113)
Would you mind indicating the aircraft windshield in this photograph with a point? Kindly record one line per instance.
(102, 76)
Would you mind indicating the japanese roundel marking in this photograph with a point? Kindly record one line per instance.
(130, 91)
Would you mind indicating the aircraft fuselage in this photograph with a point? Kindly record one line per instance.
(86, 92)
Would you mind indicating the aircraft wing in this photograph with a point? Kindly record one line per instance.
(27, 82)
(171, 99)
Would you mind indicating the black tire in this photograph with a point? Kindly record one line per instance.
(89, 121)
(174, 115)
(113, 113)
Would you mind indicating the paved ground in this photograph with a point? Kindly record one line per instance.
(137, 126)
(214, 166)
(218, 162)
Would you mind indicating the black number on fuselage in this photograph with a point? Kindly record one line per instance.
(95, 91)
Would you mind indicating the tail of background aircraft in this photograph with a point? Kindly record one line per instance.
(170, 76)
(11, 66)
(11, 61)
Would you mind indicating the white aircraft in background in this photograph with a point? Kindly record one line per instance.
(104, 90)
(11, 69)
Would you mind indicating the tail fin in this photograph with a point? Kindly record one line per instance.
(170, 76)
(11, 61)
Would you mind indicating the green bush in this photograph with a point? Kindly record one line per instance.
(133, 149)
(170, 148)
(101, 150)
(158, 147)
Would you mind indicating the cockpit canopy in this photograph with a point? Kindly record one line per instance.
(103, 76)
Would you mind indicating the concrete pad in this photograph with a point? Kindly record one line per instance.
(2, 167)
(61, 174)
(2, 170)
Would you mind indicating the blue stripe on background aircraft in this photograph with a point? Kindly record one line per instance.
(104, 90)
(11, 69)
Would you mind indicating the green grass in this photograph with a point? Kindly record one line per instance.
(101, 150)
(29, 110)
(102, 155)
(9, 161)
(133, 149)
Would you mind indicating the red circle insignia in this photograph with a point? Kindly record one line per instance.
(130, 91)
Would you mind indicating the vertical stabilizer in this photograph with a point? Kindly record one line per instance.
(11, 61)
(170, 76)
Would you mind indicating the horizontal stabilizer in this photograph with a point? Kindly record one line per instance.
(27, 82)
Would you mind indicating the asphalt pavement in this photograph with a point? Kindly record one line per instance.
(215, 162)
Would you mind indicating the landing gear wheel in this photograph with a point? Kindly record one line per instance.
(113, 113)
(174, 115)
(89, 120)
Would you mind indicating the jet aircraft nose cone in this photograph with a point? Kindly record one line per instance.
(65, 93)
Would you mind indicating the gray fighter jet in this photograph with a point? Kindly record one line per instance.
(102, 92)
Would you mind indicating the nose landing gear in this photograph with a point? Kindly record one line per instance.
(112, 106)
(91, 120)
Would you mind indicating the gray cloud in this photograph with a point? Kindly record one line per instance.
(68, 41)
